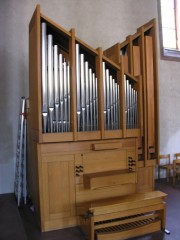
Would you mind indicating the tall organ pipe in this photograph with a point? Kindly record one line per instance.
(50, 81)
(61, 92)
(78, 88)
(44, 76)
(91, 98)
(83, 103)
(68, 94)
(87, 95)
(56, 88)
(65, 95)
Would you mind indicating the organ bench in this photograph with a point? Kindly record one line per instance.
(124, 217)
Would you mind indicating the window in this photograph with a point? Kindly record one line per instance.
(170, 28)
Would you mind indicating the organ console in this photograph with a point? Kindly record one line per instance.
(91, 154)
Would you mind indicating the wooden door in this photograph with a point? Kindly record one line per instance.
(58, 191)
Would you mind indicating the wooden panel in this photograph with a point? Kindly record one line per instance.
(130, 54)
(60, 223)
(86, 195)
(132, 132)
(130, 143)
(136, 61)
(145, 179)
(99, 74)
(150, 90)
(124, 60)
(139, 200)
(129, 212)
(131, 154)
(84, 146)
(57, 158)
(140, 115)
(57, 137)
(58, 189)
(110, 134)
(109, 178)
(81, 136)
(144, 99)
(35, 73)
(113, 53)
(106, 146)
(34, 117)
(100, 161)
(33, 179)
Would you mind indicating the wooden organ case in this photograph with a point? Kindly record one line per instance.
(93, 136)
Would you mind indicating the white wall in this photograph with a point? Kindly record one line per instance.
(100, 23)
(169, 91)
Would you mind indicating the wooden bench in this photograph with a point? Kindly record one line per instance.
(124, 217)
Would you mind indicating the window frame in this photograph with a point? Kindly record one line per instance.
(166, 53)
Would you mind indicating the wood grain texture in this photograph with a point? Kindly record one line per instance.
(150, 90)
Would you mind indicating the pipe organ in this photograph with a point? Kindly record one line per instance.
(86, 92)
(131, 104)
(91, 154)
(55, 86)
(111, 99)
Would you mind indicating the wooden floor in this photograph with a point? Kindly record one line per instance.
(19, 224)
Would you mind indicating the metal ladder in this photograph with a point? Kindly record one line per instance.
(20, 186)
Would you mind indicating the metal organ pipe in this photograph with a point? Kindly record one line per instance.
(55, 86)
(86, 91)
(87, 96)
(107, 99)
(117, 106)
(68, 98)
(44, 77)
(114, 102)
(91, 99)
(104, 91)
(50, 81)
(78, 88)
(83, 108)
(111, 100)
(56, 92)
(65, 95)
(94, 101)
(61, 91)
(131, 96)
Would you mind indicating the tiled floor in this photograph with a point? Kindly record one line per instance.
(19, 224)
